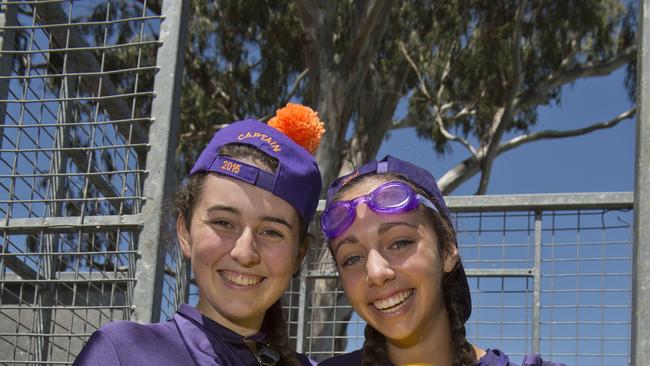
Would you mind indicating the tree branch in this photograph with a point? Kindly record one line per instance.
(296, 83)
(198, 135)
(466, 169)
(537, 94)
(555, 134)
(502, 119)
(402, 124)
(315, 25)
(359, 47)
(421, 85)
(292, 91)
(423, 89)
(310, 24)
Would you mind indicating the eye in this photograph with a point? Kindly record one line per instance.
(222, 223)
(351, 260)
(401, 244)
(272, 233)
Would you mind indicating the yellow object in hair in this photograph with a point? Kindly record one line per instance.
(301, 124)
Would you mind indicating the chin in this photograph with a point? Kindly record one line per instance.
(400, 336)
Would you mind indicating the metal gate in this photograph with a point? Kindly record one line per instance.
(81, 182)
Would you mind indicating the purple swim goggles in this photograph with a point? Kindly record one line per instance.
(389, 198)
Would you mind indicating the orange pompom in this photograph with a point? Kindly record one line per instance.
(301, 124)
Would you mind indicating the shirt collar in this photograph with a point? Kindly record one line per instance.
(210, 343)
(215, 328)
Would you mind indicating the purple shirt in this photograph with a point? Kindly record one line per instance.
(492, 357)
(187, 339)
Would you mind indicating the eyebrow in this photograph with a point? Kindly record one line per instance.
(278, 220)
(235, 211)
(219, 207)
(383, 228)
(348, 240)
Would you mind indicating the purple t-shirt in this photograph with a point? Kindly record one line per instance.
(187, 339)
(492, 357)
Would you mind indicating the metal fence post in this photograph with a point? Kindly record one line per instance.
(537, 282)
(163, 136)
(7, 40)
(302, 308)
(641, 265)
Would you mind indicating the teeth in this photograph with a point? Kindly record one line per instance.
(393, 301)
(241, 279)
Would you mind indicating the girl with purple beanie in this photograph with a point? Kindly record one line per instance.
(243, 225)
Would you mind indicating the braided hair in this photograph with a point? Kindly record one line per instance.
(183, 202)
(277, 335)
(374, 350)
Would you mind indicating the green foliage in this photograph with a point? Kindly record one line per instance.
(243, 58)
(476, 38)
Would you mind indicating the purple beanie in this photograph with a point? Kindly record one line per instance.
(296, 180)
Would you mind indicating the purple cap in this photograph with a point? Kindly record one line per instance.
(425, 181)
(296, 180)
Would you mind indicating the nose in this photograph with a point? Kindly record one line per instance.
(378, 270)
(245, 249)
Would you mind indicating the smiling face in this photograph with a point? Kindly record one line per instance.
(391, 268)
(243, 243)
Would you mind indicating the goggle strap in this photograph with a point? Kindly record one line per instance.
(425, 201)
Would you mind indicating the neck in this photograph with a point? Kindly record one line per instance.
(243, 327)
(432, 345)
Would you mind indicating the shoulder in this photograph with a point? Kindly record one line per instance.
(126, 331)
(99, 350)
(352, 358)
(533, 359)
(304, 360)
(126, 342)
(494, 357)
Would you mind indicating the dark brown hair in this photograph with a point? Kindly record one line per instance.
(184, 201)
(374, 347)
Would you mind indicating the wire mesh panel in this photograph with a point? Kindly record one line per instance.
(177, 283)
(498, 252)
(575, 263)
(587, 286)
(76, 92)
(63, 293)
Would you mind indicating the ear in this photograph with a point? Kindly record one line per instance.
(451, 258)
(183, 237)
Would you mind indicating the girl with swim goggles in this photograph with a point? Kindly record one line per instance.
(391, 236)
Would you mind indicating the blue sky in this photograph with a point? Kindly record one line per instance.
(602, 161)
